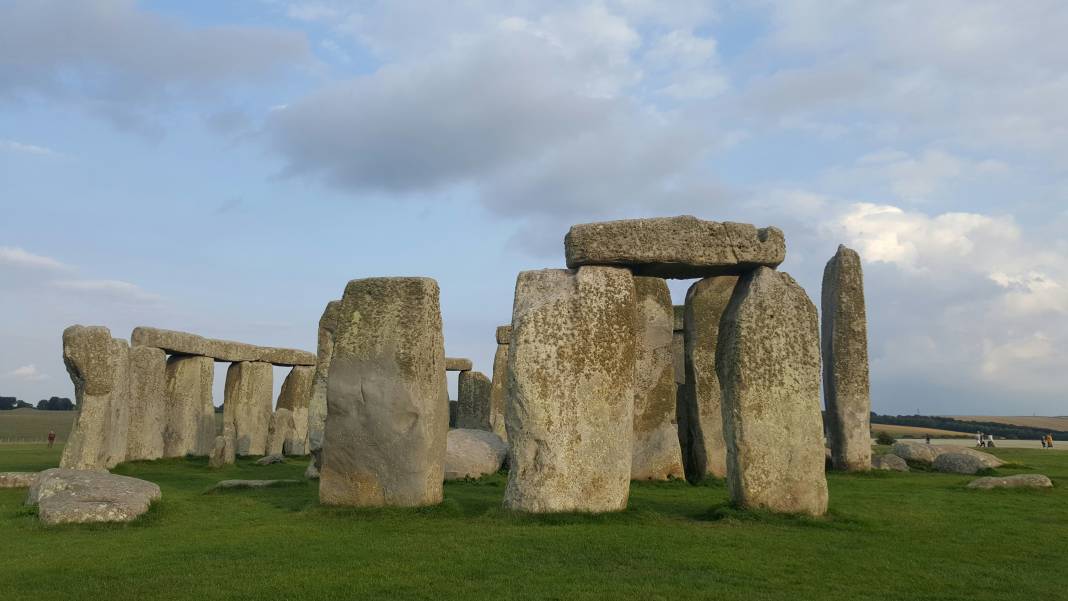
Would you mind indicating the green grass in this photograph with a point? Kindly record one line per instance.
(888, 536)
(31, 425)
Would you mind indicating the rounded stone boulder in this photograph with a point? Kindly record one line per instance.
(957, 463)
(473, 453)
(66, 496)
(889, 462)
(916, 451)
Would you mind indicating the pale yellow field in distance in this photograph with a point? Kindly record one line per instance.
(1029, 421)
(914, 431)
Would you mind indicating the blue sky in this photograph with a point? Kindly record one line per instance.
(226, 168)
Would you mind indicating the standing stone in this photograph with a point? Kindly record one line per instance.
(148, 404)
(317, 403)
(222, 453)
(98, 367)
(678, 352)
(705, 451)
(656, 454)
(247, 405)
(768, 362)
(386, 423)
(189, 414)
(845, 362)
(571, 390)
(499, 384)
(280, 432)
(296, 396)
(473, 404)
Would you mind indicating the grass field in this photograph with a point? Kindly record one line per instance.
(1029, 421)
(31, 425)
(915, 431)
(888, 536)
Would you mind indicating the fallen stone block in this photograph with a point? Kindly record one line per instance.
(473, 454)
(1017, 481)
(65, 496)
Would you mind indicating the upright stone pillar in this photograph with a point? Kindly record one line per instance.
(190, 414)
(148, 403)
(845, 362)
(317, 403)
(499, 384)
(678, 352)
(656, 454)
(98, 367)
(249, 395)
(386, 423)
(571, 402)
(295, 396)
(473, 402)
(705, 453)
(280, 433)
(768, 362)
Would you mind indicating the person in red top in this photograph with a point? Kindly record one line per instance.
(51, 438)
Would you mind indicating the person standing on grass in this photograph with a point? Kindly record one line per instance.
(1043, 441)
(51, 438)
(978, 439)
(1049, 441)
(928, 439)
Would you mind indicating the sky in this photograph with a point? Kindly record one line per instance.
(226, 167)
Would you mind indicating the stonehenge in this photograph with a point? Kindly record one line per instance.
(386, 425)
(571, 390)
(705, 451)
(844, 343)
(598, 380)
(768, 363)
(655, 454)
(154, 399)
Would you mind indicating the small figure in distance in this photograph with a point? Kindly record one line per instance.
(928, 439)
(990, 441)
(1049, 440)
(1043, 441)
(978, 439)
(51, 438)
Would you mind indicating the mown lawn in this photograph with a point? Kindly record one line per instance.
(888, 536)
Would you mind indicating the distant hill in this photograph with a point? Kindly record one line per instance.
(998, 429)
(1032, 421)
(915, 432)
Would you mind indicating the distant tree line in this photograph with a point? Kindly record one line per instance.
(955, 425)
(56, 403)
(10, 402)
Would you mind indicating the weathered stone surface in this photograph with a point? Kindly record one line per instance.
(65, 496)
(504, 334)
(499, 384)
(312, 471)
(768, 362)
(296, 396)
(705, 452)
(678, 345)
(454, 412)
(238, 484)
(1017, 481)
(317, 404)
(184, 343)
(675, 247)
(271, 459)
(458, 364)
(280, 432)
(386, 423)
(473, 454)
(927, 453)
(916, 451)
(571, 390)
(889, 462)
(845, 362)
(98, 365)
(190, 414)
(247, 402)
(147, 403)
(957, 463)
(17, 479)
(655, 453)
(223, 452)
(473, 404)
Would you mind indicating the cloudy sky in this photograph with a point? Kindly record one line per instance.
(225, 168)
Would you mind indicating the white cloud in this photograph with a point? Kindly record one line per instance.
(21, 148)
(17, 257)
(26, 373)
(115, 289)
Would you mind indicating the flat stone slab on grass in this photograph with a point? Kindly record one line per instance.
(889, 462)
(473, 454)
(675, 247)
(957, 463)
(236, 484)
(17, 479)
(271, 460)
(66, 496)
(1017, 481)
(184, 343)
(927, 453)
